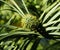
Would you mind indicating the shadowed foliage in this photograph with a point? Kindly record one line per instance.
(29, 24)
